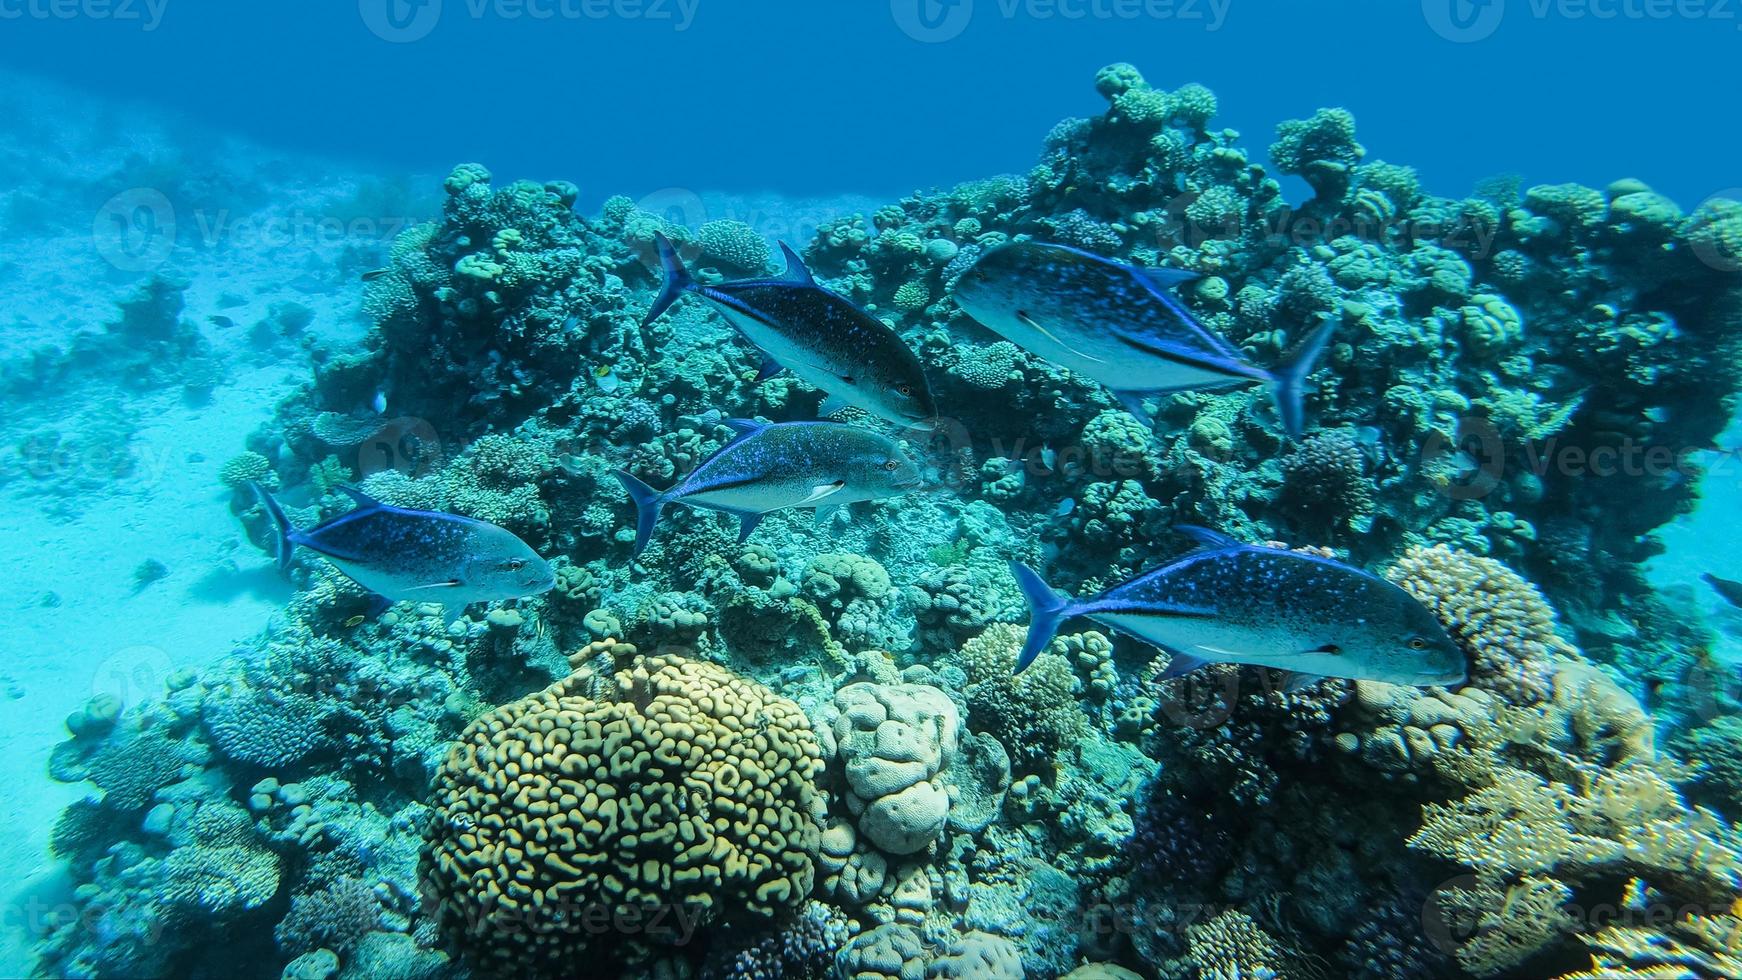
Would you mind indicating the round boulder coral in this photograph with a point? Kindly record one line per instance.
(684, 797)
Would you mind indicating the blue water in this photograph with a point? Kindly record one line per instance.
(809, 99)
(397, 266)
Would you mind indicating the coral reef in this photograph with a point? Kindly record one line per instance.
(810, 754)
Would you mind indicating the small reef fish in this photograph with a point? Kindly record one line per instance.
(780, 465)
(1729, 590)
(1118, 324)
(605, 376)
(828, 342)
(1235, 603)
(418, 555)
(374, 274)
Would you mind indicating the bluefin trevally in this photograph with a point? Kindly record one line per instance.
(775, 466)
(1235, 603)
(417, 555)
(1118, 324)
(821, 336)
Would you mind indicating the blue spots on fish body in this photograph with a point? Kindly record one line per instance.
(415, 554)
(1236, 603)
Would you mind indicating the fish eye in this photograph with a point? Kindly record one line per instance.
(1417, 643)
(904, 390)
(891, 465)
(516, 564)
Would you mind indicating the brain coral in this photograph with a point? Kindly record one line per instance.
(689, 791)
(1500, 620)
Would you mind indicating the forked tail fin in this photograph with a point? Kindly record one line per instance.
(280, 523)
(1289, 381)
(1046, 610)
(648, 503)
(677, 279)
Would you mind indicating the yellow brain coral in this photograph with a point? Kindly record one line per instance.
(1503, 623)
(567, 823)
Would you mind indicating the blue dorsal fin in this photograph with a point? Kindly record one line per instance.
(1163, 279)
(795, 273)
(1207, 537)
(1180, 665)
(362, 499)
(745, 427)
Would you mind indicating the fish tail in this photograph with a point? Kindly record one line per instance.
(279, 522)
(1290, 379)
(677, 279)
(1046, 610)
(648, 503)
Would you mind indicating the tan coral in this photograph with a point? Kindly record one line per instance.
(683, 787)
(1503, 623)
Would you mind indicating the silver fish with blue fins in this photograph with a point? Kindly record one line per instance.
(1237, 603)
(823, 338)
(1119, 325)
(417, 555)
(770, 467)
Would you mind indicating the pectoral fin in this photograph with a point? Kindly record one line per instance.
(452, 583)
(830, 406)
(1180, 665)
(1034, 325)
(822, 491)
(770, 368)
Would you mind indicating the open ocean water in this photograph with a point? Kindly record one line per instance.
(941, 488)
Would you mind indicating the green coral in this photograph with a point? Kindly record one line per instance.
(1033, 714)
(733, 244)
(1322, 150)
(245, 468)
